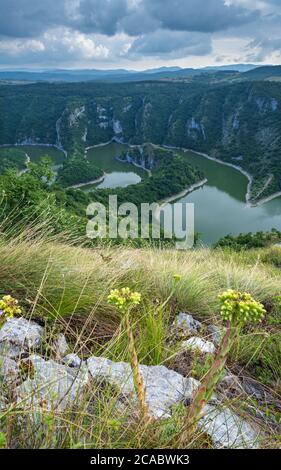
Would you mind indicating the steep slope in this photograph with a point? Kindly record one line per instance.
(63, 292)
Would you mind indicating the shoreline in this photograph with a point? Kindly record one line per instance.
(102, 144)
(250, 178)
(222, 162)
(235, 167)
(61, 149)
(205, 155)
(136, 165)
(80, 185)
(115, 140)
(174, 197)
(264, 200)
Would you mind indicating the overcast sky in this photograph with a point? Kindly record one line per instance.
(138, 34)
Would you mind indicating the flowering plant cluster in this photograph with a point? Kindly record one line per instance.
(239, 308)
(177, 277)
(123, 298)
(236, 308)
(8, 307)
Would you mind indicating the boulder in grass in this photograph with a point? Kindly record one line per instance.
(18, 336)
(227, 429)
(197, 344)
(72, 360)
(216, 334)
(54, 385)
(164, 387)
(9, 371)
(60, 346)
(185, 323)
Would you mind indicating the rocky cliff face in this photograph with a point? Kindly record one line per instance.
(142, 156)
(237, 123)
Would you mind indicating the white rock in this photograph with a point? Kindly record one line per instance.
(118, 374)
(72, 360)
(187, 323)
(9, 371)
(228, 430)
(216, 333)
(19, 335)
(4, 403)
(164, 387)
(75, 115)
(60, 346)
(55, 385)
(196, 343)
(117, 127)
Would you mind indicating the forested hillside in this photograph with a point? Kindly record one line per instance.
(236, 122)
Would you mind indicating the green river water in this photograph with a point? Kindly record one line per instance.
(219, 205)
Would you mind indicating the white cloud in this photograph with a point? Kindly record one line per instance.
(56, 45)
(75, 43)
(17, 47)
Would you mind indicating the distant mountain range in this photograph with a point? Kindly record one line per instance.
(250, 71)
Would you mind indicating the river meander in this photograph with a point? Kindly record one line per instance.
(220, 206)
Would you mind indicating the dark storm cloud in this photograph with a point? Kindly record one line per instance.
(26, 18)
(101, 16)
(198, 15)
(29, 18)
(109, 16)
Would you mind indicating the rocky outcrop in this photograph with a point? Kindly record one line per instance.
(64, 383)
(141, 156)
(194, 128)
(75, 115)
(117, 127)
(185, 325)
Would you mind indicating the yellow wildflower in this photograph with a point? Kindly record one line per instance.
(8, 307)
(124, 298)
(240, 307)
(177, 277)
